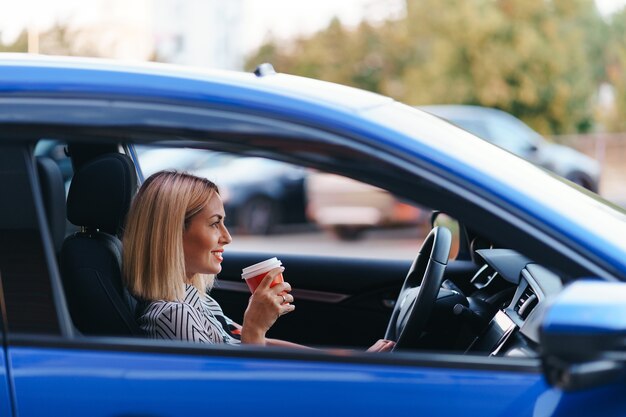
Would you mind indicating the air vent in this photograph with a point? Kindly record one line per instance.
(526, 302)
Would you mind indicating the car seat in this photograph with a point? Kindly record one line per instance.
(91, 260)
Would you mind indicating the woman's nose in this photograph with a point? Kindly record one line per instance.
(226, 238)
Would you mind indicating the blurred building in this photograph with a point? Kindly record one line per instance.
(199, 32)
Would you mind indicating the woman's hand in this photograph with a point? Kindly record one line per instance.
(266, 305)
(382, 345)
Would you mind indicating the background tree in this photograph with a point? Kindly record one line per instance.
(62, 38)
(616, 70)
(541, 60)
(19, 44)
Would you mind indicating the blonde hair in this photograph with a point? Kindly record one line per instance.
(153, 261)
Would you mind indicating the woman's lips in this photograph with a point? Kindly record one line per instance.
(218, 255)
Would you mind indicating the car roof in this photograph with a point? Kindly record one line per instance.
(22, 73)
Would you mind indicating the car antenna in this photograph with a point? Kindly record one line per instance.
(264, 69)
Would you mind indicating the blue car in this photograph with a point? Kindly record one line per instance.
(528, 319)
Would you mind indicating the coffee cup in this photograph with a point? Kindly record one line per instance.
(254, 274)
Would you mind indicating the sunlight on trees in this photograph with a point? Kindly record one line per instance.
(542, 61)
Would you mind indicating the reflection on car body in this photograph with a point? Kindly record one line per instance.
(527, 243)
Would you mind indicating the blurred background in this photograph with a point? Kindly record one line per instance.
(545, 79)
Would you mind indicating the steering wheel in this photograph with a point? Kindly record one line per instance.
(420, 289)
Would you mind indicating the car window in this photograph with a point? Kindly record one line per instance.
(57, 151)
(451, 224)
(296, 210)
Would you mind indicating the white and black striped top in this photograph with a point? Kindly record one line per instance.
(196, 318)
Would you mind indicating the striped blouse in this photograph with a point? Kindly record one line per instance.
(196, 318)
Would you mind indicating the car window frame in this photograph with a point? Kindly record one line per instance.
(69, 338)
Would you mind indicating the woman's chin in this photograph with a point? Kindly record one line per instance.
(215, 269)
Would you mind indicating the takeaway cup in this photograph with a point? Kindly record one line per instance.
(254, 274)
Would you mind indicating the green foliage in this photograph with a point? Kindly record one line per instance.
(616, 70)
(541, 60)
(20, 44)
(62, 39)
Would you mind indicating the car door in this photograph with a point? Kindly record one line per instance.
(6, 398)
(56, 371)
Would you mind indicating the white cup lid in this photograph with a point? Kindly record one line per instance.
(261, 267)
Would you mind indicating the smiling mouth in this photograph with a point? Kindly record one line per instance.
(218, 255)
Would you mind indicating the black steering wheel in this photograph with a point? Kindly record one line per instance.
(420, 289)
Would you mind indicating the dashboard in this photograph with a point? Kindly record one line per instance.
(514, 291)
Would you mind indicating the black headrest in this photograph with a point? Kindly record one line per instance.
(53, 195)
(101, 192)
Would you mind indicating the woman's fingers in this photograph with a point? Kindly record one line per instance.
(285, 298)
(281, 288)
(286, 308)
(382, 345)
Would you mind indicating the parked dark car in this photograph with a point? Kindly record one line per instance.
(259, 194)
(510, 133)
(527, 320)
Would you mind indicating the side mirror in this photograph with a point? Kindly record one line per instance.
(583, 336)
(439, 218)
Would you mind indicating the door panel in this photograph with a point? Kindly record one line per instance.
(99, 383)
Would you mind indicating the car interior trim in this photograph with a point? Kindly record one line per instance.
(299, 294)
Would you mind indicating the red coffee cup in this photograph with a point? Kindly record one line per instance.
(254, 274)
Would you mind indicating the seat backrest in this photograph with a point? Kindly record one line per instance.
(53, 195)
(91, 260)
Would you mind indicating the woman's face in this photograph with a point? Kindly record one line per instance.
(204, 239)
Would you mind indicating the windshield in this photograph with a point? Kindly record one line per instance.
(572, 210)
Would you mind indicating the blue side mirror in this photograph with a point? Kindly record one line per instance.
(583, 336)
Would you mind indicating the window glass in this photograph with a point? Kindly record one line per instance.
(291, 209)
(56, 150)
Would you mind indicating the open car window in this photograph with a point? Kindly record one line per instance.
(347, 247)
(298, 210)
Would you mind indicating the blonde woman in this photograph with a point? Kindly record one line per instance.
(173, 247)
